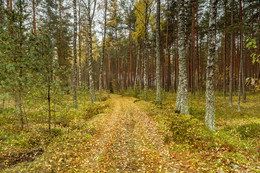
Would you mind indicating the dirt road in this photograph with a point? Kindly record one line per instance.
(127, 141)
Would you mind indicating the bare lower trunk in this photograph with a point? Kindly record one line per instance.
(103, 51)
(182, 101)
(91, 79)
(74, 85)
(158, 55)
(210, 95)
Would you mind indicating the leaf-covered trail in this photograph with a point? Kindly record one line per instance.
(127, 141)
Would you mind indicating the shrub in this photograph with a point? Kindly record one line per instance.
(94, 109)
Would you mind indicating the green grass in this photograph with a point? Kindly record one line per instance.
(19, 146)
(235, 142)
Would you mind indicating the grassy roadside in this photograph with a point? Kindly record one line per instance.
(19, 148)
(234, 146)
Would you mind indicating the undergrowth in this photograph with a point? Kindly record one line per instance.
(234, 145)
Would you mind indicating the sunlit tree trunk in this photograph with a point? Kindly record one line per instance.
(210, 96)
(182, 101)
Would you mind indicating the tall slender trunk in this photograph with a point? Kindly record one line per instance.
(145, 63)
(34, 20)
(21, 68)
(210, 96)
(241, 72)
(74, 85)
(197, 48)
(193, 49)
(243, 57)
(103, 51)
(90, 56)
(130, 51)
(225, 51)
(182, 101)
(79, 37)
(168, 85)
(176, 58)
(158, 55)
(231, 56)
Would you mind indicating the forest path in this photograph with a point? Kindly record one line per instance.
(127, 140)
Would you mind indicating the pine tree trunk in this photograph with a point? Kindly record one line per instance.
(210, 96)
(168, 81)
(90, 61)
(74, 85)
(182, 102)
(193, 72)
(103, 51)
(79, 37)
(231, 56)
(145, 63)
(242, 47)
(158, 55)
(225, 52)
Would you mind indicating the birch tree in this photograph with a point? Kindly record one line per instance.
(210, 95)
(182, 102)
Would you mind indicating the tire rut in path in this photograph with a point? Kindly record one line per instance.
(127, 141)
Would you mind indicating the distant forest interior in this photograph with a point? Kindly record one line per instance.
(129, 85)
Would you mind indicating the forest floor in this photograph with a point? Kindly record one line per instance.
(138, 136)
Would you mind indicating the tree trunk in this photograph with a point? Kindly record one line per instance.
(145, 63)
(210, 96)
(231, 56)
(74, 87)
(225, 51)
(193, 62)
(158, 55)
(103, 51)
(168, 57)
(79, 37)
(90, 64)
(182, 102)
(34, 20)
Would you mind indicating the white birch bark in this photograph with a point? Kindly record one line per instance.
(210, 95)
(182, 101)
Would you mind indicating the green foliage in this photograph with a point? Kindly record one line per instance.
(93, 109)
(249, 130)
(56, 132)
(251, 44)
